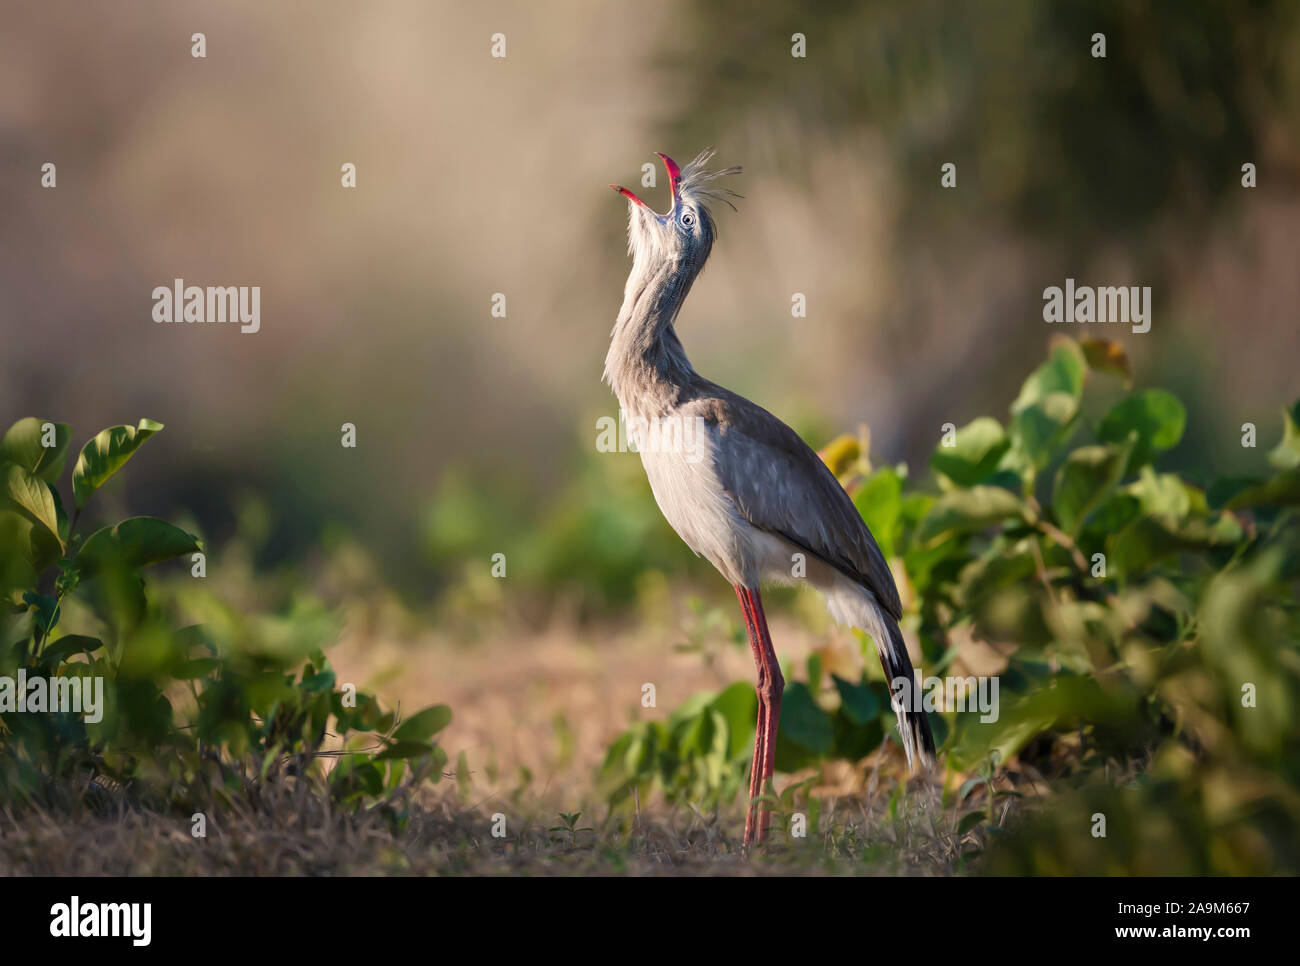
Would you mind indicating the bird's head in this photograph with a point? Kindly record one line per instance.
(684, 234)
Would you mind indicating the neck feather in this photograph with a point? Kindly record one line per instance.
(646, 359)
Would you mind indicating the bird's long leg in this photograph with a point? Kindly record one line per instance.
(756, 769)
(773, 685)
(770, 686)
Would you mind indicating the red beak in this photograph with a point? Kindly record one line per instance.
(628, 195)
(674, 174)
(674, 179)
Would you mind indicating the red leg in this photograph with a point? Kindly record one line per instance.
(756, 768)
(770, 686)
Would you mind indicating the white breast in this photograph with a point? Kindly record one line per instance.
(685, 484)
(681, 469)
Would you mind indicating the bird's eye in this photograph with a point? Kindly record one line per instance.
(688, 219)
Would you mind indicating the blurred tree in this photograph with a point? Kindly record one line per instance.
(1069, 144)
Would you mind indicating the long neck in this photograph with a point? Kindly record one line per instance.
(646, 361)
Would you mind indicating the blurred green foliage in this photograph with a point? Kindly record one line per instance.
(1012, 94)
(191, 715)
(591, 540)
(1153, 631)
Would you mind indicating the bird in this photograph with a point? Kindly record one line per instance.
(747, 493)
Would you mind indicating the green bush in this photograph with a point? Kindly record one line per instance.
(1153, 630)
(191, 714)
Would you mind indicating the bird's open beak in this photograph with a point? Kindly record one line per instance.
(674, 174)
(674, 179)
(628, 195)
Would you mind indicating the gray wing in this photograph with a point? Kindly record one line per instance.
(780, 485)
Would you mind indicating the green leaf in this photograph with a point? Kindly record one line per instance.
(105, 454)
(405, 750)
(60, 514)
(696, 735)
(962, 511)
(979, 446)
(1118, 511)
(17, 569)
(1045, 413)
(1072, 701)
(30, 495)
(1038, 431)
(319, 682)
(1149, 539)
(1286, 454)
(1281, 490)
(1062, 373)
(814, 665)
(117, 597)
(135, 542)
(65, 647)
(43, 608)
(1084, 481)
(994, 572)
(643, 743)
(969, 821)
(1225, 488)
(803, 722)
(1156, 416)
(858, 702)
(196, 668)
(1161, 495)
(23, 444)
(370, 779)
(738, 705)
(879, 500)
(854, 740)
(423, 725)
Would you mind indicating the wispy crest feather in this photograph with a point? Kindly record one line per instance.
(698, 181)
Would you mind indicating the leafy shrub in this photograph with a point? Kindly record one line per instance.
(189, 712)
(1152, 628)
(698, 754)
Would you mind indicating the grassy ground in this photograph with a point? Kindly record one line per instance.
(534, 712)
(551, 700)
(291, 831)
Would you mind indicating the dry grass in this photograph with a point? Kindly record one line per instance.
(293, 831)
(548, 701)
(551, 700)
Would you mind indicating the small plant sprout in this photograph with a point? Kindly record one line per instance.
(570, 828)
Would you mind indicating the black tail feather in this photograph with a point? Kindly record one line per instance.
(913, 725)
